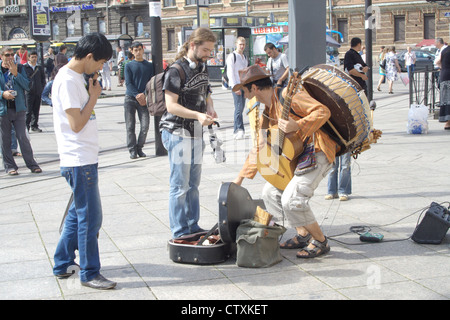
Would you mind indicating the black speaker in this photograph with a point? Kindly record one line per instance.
(434, 226)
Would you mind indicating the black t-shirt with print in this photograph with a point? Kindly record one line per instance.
(192, 94)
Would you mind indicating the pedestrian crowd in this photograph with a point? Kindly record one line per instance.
(71, 86)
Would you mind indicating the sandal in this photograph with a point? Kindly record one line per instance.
(13, 173)
(36, 170)
(297, 242)
(319, 249)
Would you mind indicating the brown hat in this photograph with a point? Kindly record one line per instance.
(249, 75)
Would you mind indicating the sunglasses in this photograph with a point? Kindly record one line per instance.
(8, 54)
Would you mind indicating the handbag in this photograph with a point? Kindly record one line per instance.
(307, 160)
(383, 64)
(257, 244)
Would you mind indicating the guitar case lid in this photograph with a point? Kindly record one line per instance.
(235, 205)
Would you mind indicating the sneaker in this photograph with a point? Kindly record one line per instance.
(99, 282)
(343, 197)
(239, 135)
(330, 196)
(36, 129)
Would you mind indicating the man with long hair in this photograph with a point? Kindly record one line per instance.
(189, 108)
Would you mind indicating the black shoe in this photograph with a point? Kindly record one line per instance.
(36, 129)
(73, 269)
(133, 154)
(140, 153)
(99, 282)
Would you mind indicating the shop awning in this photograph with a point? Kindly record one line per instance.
(426, 42)
(110, 37)
(14, 43)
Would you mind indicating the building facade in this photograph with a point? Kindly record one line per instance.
(396, 23)
(400, 23)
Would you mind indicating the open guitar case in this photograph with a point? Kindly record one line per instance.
(235, 205)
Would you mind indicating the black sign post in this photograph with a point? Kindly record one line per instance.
(39, 23)
(203, 13)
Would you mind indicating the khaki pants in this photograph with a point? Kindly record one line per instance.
(293, 202)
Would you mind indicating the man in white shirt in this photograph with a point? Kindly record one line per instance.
(120, 62)
(440, 44)
(237, 61)
(77, 137)
(410, 61)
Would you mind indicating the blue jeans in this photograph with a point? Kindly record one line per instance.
(343, 185)
(410, 69)
(185, 157)
(239, 104)
(46, 93)
(82, 223)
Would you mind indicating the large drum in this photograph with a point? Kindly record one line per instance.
(351, 121)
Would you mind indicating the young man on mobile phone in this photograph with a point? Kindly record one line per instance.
(77, 137)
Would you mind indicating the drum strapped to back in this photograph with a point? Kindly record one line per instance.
(350, 124)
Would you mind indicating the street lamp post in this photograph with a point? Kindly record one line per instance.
(156, 37)
(369, 25)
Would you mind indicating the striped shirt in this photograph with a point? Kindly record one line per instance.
(313, 115)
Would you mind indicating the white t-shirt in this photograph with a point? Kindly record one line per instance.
(75, 149)
(410, 58)
(233, 67)
(437, 58)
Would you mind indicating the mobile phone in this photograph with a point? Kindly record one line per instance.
(94, 77)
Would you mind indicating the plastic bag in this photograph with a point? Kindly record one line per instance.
(417, 119)
(405, 78)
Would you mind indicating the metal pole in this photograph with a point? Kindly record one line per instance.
(369, 27)
(411, 88)
(198, 15)
(307, 33)
(41, 54)
(156, 37)
(330, 9)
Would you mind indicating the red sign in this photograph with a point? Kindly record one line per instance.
(266, 30)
